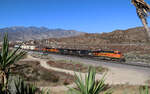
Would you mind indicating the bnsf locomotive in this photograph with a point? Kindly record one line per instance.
(96, 53)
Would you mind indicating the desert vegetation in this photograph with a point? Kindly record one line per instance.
(89, 85)
(32, 72)
(10, 83)
(75, 66)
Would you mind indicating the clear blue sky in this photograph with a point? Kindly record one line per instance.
(92, 16)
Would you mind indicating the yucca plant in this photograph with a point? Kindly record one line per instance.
(144, 90)
(90, 85)
(7, 58)
(23, 88)
(2, 91)
(45, 92)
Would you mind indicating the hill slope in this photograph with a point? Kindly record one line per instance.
(33, 33)
(133, 35)
(122, 40)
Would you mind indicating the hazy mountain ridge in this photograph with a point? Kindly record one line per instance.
(133, 39)
(34, 33)
(132, 35)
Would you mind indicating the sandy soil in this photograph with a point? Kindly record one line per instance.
(117, 74)
(44, 64)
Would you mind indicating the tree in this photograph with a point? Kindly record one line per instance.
(142, 9)
(7, 58)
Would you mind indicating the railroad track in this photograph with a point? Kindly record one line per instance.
(124, 63)
(102, 59)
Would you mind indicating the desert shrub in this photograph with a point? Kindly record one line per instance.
(8, 58)
(144, 90)
(89, 85)
(23, 88)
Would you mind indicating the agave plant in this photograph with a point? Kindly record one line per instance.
(90, 85)
(45, 92)
(144, 90)
(23, 88)
(7, 58)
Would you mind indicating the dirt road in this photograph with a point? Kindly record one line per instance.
(43, 63)
(118, 73)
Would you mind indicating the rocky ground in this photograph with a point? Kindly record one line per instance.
(120, 77)
(75, 66)
(137, 56)
(117, 74)
(32, 72)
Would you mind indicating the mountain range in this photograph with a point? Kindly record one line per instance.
(131, 35)
(132, 39)
(128, 36)
(20, 33)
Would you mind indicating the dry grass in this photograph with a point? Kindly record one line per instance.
(126, 89)
(137, 56)
(75, 66)
(32, 72)
(118, 89)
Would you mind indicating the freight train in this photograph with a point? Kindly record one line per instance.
(111, 55)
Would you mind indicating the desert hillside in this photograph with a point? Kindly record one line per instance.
(122, 40)
(133, 35)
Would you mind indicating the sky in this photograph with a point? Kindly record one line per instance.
(92, 16)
